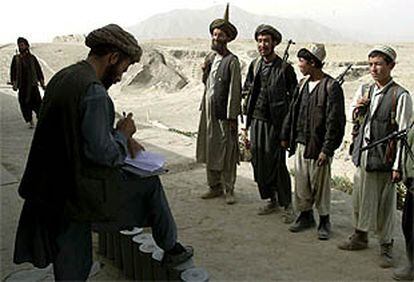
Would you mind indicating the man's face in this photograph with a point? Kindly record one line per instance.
(219, 40)
(379, 69)
(304, 66)
(113, 73)
(23, 47)
(265, 45)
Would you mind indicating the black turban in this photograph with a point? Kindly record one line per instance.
(268, 29)
(114, 35)
(225, 26)
(22, 40)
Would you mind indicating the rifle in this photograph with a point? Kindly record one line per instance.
(396, 135)
(286, 53)
(341, 78)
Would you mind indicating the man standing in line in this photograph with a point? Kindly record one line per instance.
(269, 86)
(73, 175)
(25, 76)
(384, 107)
(314, 129)
(217, 141)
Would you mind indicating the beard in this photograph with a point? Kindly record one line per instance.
(109, 76)
(218, 46)
(23, 50)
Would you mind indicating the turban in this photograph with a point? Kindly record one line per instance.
(268, 29)
(22, 40)
(386, 50)
(114, 35)
(224, 25)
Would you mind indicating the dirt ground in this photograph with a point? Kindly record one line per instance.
(232, 242)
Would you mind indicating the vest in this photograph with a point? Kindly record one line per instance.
(57, 174)
(222, 83)
(276, 95)
(382, 124)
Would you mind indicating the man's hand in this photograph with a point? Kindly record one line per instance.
(322, 159)
(134, 147)
(395, 176)
(363, 101)
(126, 126)
(284, 144)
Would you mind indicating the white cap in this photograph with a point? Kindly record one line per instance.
(318, 50)
(387, 50)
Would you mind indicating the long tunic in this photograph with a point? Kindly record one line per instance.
(268, 157)
(216, 142)
(374, 195)
(25, 73)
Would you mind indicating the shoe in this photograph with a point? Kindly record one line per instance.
(324, 228)
(405, 273)
(212, 194)
(230, 198)
(175, 258)
(288, 215)
(386, 255)
(357, 241)
(304, 221)
(270, 207)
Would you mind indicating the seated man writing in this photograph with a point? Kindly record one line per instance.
(73, 177)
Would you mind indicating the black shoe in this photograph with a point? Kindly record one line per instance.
(324, 228)
(304, 221)
(173, 258)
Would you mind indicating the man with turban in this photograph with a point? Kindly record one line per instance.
(384, 107)
(73, 175)
(268, 88)
(25, 76)
(217, 141)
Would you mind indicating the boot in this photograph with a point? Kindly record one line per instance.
(357, 241)
(405, 273)
(304, 221)
(288, 215)
(177, 255)
(324, 228)
(230, 198)
(270, 207)
(213, 192)
(386, 255)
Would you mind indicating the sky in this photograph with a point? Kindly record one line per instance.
(42, 20)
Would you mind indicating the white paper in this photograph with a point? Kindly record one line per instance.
(147, 161)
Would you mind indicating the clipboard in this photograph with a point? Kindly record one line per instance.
(143, 173)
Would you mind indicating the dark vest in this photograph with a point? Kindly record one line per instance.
(381, 126)
(222, 84)
(57, 174)
(315, 125)
(277, 97)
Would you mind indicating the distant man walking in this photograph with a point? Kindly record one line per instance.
(314, 129)
(217, 142)
(25, 76)
(269, 87)
(383, 106)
